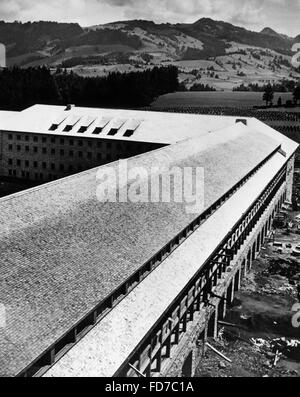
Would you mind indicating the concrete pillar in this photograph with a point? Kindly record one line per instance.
(247, 264)
(289, 179)
(216, 314)
(205, 335)
(249, 261)
(2, 56)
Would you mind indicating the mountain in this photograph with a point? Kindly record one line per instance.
(205, 38)
(297, 39)
(227, 32)
(219, 49)
(270, 32)
(212, 34)
(31, 37)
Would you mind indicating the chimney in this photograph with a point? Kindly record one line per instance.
(244, 121)
(70, 106)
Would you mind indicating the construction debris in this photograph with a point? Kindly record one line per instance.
(290, 348)
(257, 332)
(217, 352)
(277, 357)
(279, 346)
(226, 324)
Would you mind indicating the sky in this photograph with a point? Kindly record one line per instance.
(281, 15)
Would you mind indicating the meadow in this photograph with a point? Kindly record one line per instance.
(215, 99)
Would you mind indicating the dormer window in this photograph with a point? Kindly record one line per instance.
(53, 127)
(82, 129)
(113, 131)
(128, 133)
(97, 130)
(67, 128)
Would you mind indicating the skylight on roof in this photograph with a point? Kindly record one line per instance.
(117, 124)
(82, 129)
(100, 125)
(113, 131)
(115, 127)
(128, 133)
(97, 130)
(131, 127)
(53, 127)
(57, 123)
(71, 122)
(85, 123)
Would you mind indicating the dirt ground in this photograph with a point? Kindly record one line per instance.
(263, 341)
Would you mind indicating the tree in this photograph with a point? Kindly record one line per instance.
(296, 94)
(279, 102)
(21, 87)
(268, 95)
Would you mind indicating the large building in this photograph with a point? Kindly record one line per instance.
(45, 143)
(123, 288)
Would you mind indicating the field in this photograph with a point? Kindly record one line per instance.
(215, 99)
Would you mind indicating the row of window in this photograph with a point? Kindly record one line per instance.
(52, 139)
(35, 175)
(63, 141)
(52, 166)
(97, 130)
(62, 152)
(44, 149)
(44, 165)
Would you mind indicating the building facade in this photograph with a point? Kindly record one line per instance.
(43, 158)
(129, 288)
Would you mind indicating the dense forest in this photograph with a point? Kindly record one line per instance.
(201, 87)
(20, 88)
(283, 86)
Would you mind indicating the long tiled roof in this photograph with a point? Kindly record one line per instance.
(62, 251)
(107, 346)
(131, 125)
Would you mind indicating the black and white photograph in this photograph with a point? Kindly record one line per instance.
(149, 191)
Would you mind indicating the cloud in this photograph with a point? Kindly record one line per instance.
(254, 14)
(281, 15)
